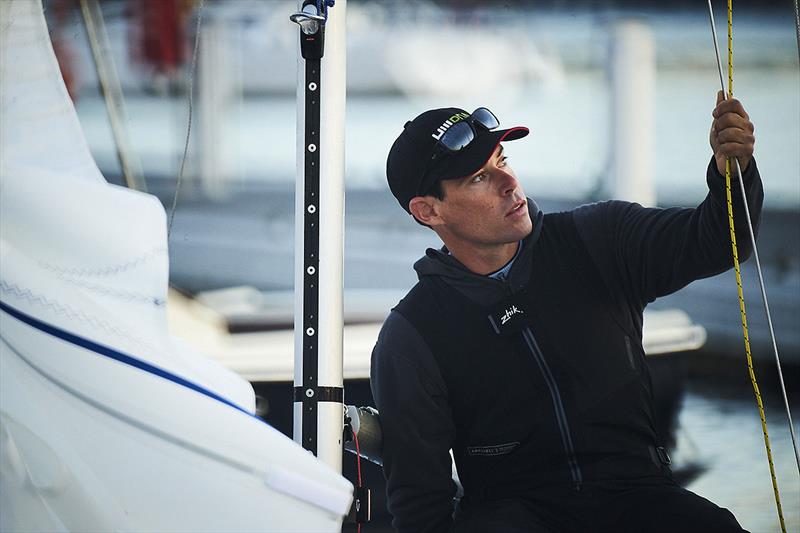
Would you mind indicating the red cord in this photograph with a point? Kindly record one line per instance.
(358, 464)
(358, 457)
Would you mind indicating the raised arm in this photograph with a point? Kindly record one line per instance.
(647, 253)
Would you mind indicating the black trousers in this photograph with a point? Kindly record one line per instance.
(646, 507)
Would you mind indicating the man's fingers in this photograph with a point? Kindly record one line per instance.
(732, 120)
(735, 150)
(735, 135)
(720, 97)
(730, 106)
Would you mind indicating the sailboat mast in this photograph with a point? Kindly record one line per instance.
(319, 232)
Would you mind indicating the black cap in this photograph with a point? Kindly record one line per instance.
(409, 167)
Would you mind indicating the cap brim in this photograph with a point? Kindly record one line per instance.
(475, 156)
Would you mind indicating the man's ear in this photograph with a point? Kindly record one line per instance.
(424, 209)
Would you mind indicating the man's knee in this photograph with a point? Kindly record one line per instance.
(510, 515)
(670, 509)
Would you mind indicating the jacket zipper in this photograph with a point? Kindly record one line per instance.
(561, 416)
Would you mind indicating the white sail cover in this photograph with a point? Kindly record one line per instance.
(106, 421)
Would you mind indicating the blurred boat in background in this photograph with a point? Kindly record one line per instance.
(546, 67)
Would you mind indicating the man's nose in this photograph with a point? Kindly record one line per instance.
(508, 183)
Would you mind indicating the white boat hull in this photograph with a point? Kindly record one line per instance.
(77, 459)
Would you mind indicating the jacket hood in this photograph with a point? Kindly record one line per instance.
(483, 290)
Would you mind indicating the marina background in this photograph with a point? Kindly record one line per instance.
(544, 65)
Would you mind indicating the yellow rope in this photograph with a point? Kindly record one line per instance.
(739, 287)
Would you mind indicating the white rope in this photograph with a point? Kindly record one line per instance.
(190, 100)
(797, 27)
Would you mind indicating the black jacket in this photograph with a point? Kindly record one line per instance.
(565, 398)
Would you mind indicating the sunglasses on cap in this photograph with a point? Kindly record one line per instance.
(459, 135)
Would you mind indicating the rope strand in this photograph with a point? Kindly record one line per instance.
(189, 126)
(737, 269)
(797, 27)
(769, 321)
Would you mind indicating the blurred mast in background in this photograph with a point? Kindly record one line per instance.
(217, 91)
(633, 73)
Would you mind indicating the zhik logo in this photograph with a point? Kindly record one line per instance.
(458, 117)
(511, 311)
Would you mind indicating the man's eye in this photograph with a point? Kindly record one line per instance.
(502, 161)
(479, 178)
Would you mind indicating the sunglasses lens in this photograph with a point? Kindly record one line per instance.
(457, 137)
(486, 118)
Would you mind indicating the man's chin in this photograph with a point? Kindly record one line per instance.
(524, 231)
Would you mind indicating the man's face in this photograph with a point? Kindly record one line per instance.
(486, 208)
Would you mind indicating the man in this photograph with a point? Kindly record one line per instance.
(520, 348)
